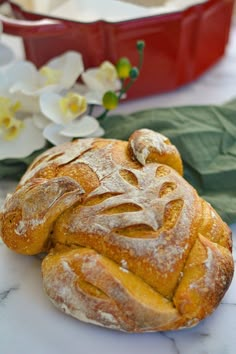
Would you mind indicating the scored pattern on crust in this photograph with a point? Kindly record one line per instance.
(147, 219)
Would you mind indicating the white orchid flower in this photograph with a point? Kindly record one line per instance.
(58, 74)
(17, 72)
(56, 115)
(24, 81)
(67, 118)
(18, 137)
(6, 54)
(100, 80)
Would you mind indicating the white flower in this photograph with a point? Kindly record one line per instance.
(14, 73)
(23, 80)
(18, 137)
(56, 114)
(100, 80)
(66, 118)
(58, 74)
(29, 140)
(6, 54)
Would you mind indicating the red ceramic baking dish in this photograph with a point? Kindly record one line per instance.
(180, 46)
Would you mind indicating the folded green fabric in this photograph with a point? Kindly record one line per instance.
(205, 137)
(14, 168)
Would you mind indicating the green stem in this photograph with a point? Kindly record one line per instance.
(91, 108)
(140, 61)
(124, 88)
(103, 115)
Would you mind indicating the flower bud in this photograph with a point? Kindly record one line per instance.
(140, 45)
(134, 73)
(110, 100)
(123, 67)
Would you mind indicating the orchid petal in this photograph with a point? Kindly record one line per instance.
(71, 66)
(22, 76)
(49, 105)
(52, 134)
(8, 79)
(40, 121)
(28, 104)
(80, 88)
(90, 78)
(37, 91)
(94, 97)
(29, 140)
(6, 55)
(80, 128)
(28, 80)
(4, 84)
(99, 132)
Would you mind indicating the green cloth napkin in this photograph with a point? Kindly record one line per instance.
(14, 168)
(205, 137)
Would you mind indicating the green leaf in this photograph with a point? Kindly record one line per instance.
(206, 139)
(231, 104)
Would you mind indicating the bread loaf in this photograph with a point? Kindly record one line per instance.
(130, 245)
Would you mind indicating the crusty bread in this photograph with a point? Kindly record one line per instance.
(131, 244)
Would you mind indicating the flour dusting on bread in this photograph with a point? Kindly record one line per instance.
(131, 246)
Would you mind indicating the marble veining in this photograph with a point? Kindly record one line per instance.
(172, 340)
(4, 294)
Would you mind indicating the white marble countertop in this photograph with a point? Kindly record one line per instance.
(30, 324)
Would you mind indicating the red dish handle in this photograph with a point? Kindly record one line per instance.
(32, 29)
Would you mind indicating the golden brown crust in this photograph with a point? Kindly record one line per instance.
(95, 289)
(28, 215)
(148, 146)
(206, 274)
(132, 245)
